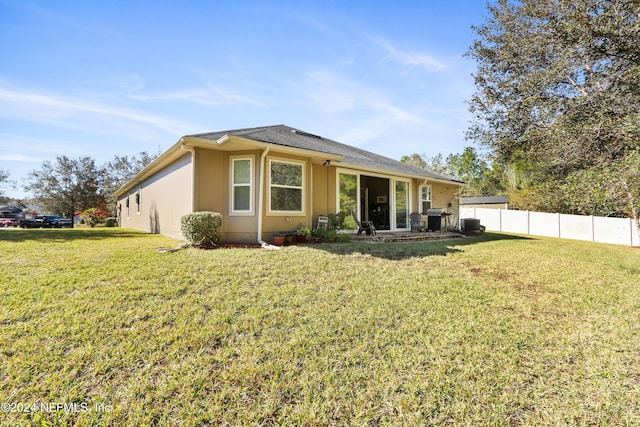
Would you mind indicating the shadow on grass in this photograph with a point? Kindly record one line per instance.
(406, 250)
(70, 234)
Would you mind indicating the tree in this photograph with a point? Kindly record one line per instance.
(417, 160)
(67, 186)
(468, 166)
(93, 216)
(610, 191)
(4, 179)
(558, 82)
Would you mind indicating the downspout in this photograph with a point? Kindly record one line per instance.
(261, 202)
(310, 203)
(193, 174)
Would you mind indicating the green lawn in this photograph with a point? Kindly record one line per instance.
(494, 330)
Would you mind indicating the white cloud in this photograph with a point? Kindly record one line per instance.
(356, 113)
(333, 94)
(196, 96)
(365, 130)
(410, 59)
(122, 82)
(80, 114)
(19, 157)
(211, 98)
(27, 149)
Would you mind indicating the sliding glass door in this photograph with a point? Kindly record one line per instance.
(383, 200)
(347, 200)
(401, 204)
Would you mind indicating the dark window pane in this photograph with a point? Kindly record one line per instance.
(286, 199)
(402, 203)
(286, 174)
(348, 199)
(241, 198)
(241, 171)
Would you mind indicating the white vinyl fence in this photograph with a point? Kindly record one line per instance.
(620, 231)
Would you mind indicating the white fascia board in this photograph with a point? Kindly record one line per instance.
(393, 173)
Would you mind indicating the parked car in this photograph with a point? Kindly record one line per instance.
(46, 221)
(9, 222)
(59, 222)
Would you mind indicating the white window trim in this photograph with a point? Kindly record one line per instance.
(357, 175)
(420, 200)
(127, 204)
(302, 188)
(251, 211)
(394, 220)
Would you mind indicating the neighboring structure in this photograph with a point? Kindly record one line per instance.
(271, 179)
(11, 211)
(491, 202)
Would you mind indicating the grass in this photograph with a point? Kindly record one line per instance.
(499, 330)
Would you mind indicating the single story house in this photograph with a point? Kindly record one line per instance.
(272, 179)
(11, 211)
(490, 202)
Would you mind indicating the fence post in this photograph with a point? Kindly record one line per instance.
(559, 226)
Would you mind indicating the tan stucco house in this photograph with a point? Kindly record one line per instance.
(271, 179)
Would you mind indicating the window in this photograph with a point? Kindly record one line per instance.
(286, 181)
(138, 201)
(242, 185)
(425, 198)
(402, 204)
(348, 199)
(128, 203)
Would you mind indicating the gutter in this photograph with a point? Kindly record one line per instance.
(261, 201)
(389, 173)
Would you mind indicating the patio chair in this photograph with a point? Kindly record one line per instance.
(366, 226)
(323, 222)
(416, 222)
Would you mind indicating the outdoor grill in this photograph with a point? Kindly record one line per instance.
(434, 219)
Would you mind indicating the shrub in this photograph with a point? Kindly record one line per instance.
(110, 222)
(201, 228)
(93, 216)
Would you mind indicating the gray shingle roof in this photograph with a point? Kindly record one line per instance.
(11, 209)
(295, 138)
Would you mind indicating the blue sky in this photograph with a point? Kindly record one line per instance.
(104, 78)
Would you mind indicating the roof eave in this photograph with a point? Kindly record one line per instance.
(395, 173)
(227, 141)
(230, 141)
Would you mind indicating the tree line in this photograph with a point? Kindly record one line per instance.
(70, 186)
(556, 107)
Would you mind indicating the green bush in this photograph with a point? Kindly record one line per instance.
(110, 222)
(201, 228)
